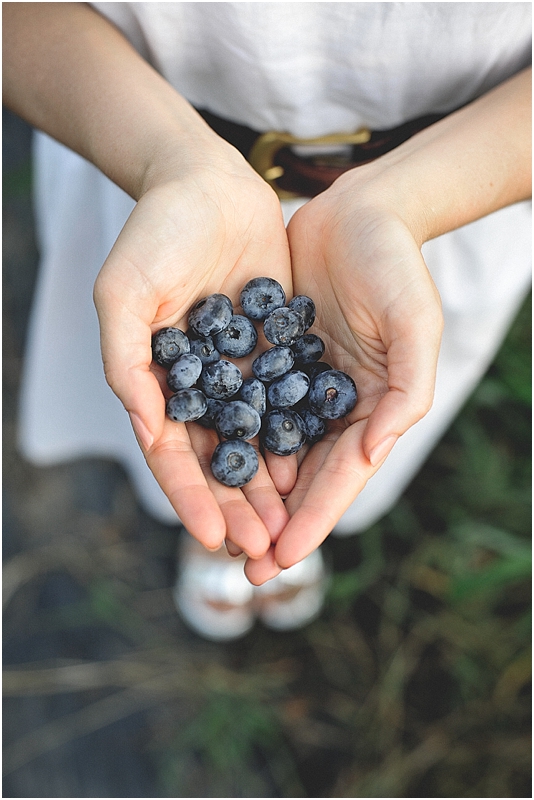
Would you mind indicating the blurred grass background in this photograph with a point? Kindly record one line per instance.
(415, 681)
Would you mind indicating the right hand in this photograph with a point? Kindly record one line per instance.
(204, 222)
(208, 226)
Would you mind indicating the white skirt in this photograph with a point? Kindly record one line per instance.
(67, 410)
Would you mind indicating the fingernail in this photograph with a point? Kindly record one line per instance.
(233, 549)
(382, 449)
(214, 549)
(141, 431)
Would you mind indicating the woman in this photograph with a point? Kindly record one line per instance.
(198, 219)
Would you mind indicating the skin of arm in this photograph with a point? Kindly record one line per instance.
(70, 73)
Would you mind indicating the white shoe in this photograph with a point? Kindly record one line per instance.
(216, 600)
(212, 593)
(295, 597)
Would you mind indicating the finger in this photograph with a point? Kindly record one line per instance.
(244, 526)
(262, 569)
(342, 475)
(283, 471)
(127, 355)
(176, 467)
(309, 468)
(266, 501)
(394, 414)
(232, 549)
(413, 345)
(125, 340)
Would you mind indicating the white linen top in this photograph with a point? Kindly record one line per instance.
(317, 68)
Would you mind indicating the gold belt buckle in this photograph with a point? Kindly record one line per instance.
(268, 144)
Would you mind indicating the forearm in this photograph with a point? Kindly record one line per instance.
(469, 164)
(70, 73)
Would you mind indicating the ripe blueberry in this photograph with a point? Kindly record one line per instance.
(184, 373)
(238, 339)
(203, 347)
(283, 326)
(211, 314)
(208, 419)
(168, 344)
(253, 392)
(260, 296)
(238, 420)
(221, 380)
(305, 307)
(273, 363)
(288, 390)
(332, 394)
(314, 426)
(282, 432)
(315, 368)
(234, 462)
(186, 405)
(308, 349)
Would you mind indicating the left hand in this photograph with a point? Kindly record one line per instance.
(356, 250)
(379, 315)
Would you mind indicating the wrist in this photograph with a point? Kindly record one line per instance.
(183, 146)
(380, 190)
(465, 166)
(72, 74)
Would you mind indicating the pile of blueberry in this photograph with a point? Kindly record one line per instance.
(287, 400)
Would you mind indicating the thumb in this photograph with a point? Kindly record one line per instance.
(412, 363)
(126, 346)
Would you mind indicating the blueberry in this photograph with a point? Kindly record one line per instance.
(260, 296)
(208, 420)
(186, 405)
(168, 344)
(283, 326)
(308, 348)
(305, 306)
(238, 339)
(253, 392)
(282, 432)
(184, 373)
(288, 390)
(315, 368)
(211, 314)
(221, 380)
(314, 426)
(204, 348)
(238, 420)
(332, 394)
(273, 363)
(234, 463)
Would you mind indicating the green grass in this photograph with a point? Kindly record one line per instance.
(17, 182)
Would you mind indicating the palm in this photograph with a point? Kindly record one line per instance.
(182, 242)
(379, 315)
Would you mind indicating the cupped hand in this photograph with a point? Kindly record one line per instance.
(209, 229)
(379, 315)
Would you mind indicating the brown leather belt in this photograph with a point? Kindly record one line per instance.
(292, 175)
